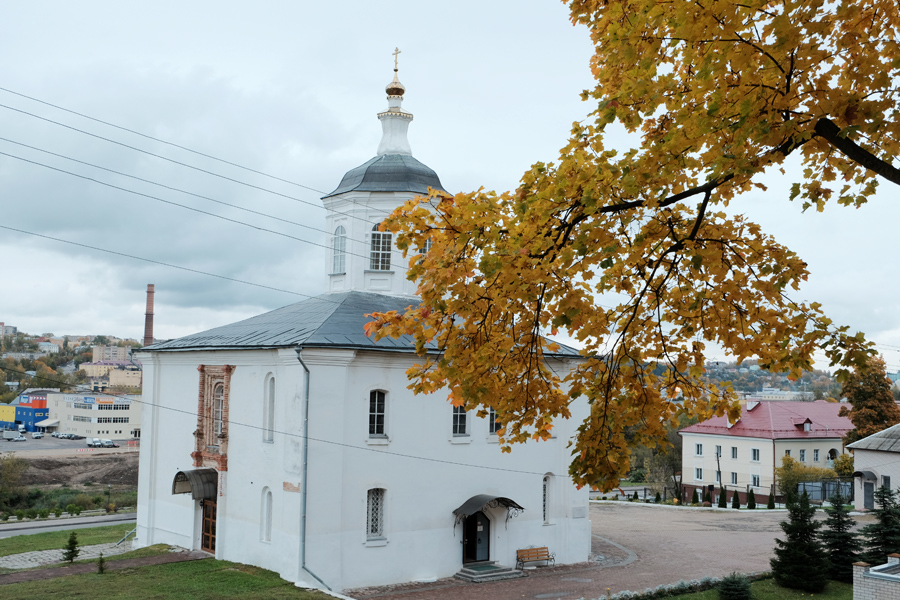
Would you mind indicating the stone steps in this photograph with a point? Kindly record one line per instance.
(487, 571)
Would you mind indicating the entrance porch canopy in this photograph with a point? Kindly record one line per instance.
(201, 484)
(47, 423)
(482, 501)
(866, 475)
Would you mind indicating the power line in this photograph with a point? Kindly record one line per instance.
(171, 160)
(161, 141)
(300, 436)
(184, 206)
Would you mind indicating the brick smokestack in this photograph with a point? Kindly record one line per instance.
(148, 316)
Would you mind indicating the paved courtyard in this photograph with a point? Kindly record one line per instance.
(635, 546)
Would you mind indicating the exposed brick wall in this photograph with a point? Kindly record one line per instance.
(210, 449)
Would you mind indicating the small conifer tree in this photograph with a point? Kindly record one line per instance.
(771, 503)
(71, 549)
(658, 498)
(842, 547)
(707, 497)
(101, 564)
(736, 501)
(883, 536)
(751, 500)
(723, 503)
(735, 587)
(800, 562)
(694, 498)
(635, 497)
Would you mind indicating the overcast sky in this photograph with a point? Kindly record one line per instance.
(292, 89)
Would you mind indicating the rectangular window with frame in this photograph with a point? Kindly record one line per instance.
(376, 413)
(734, 453)
(886, 481)
(733, 478)
(816, 455)
(698, 474)
(494, 424)
(718, 451)
(755, 480)
(459, 421)
(803, 456)
(787, 452)
(698, 449)
(718, 476)
(754, 454)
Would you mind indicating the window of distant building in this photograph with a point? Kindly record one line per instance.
(816, 455)
(787, 452)
(494, 424)
(734, 479)
(718, 451)
(698, 474)
(754, 454)
(269, 409)
(755, 480)
(803, 456)
(734, 452)
(698, 449)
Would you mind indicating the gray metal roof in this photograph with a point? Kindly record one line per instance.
(885, 441)
(326, 321)
(389, 173)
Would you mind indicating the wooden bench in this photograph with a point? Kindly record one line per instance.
(527, 555)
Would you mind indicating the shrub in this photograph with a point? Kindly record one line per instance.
(44, 513)
(635, 497)
(736, 500)
(658, 498)
(735, 587)
(57, 512)
(72, 509)
(695, 499)
(771, 503)
(31, 513)
(84, 501)
(707, 497)
(722, 503)
(751, 500)
(20, 514)
(707, 504)
(71, 550)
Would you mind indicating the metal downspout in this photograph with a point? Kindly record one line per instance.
(304, 486)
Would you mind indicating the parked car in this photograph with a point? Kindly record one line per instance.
(109, 444)
(20, 438)
(73, 436)
(55, 434)
(94, 443)
(37, 435)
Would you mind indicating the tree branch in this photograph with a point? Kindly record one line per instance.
(827, 130)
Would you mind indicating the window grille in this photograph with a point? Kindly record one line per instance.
(375, 514)
(459, 420)
(376, 413)
(339, 250)
(546, 498)
(381, 250)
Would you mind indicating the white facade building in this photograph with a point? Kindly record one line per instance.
(290, 440)
(876, 463)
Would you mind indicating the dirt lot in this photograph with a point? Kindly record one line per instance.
(115, 469)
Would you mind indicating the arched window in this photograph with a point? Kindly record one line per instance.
(218, 411)
(381, 250)
(546, 493)
(375, 514)
(269, 410)
(376, 413)
(265, 520)
(339, 250)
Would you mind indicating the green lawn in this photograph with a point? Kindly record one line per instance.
(198, 580)
(768, 590)
(53, 540)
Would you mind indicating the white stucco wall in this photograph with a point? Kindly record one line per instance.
(881, 465)
(344, 463)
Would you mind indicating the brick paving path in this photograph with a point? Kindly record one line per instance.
(641, 546)
(29, 560)
(159, 559)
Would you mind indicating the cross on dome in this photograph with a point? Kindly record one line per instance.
(395, 88)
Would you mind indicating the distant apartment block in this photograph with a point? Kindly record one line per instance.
(91, 415)
(8, 329)
(48, 347)
(107, 353)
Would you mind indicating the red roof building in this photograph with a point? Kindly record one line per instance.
(743, 455)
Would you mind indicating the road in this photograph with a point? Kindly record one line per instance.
(13, 528)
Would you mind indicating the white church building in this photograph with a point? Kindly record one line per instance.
(290, 440)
